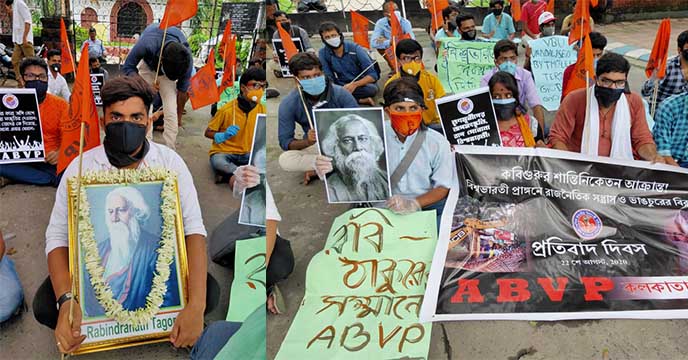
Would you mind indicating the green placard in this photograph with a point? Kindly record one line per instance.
(248, 286)
(461, 64)
(365, 288)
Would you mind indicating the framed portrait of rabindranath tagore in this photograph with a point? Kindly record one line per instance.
(128, 262)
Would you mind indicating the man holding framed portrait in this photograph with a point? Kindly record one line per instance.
(139, 261)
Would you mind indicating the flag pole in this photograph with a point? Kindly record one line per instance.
(363, 72)
(239, 94)
(162, 46)
(305, 109)
(434, 16)
(394, 50)
(654, 98)
(69, 48)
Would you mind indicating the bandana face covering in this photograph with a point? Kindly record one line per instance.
(406, 123)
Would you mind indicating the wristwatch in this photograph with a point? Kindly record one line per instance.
(64, 298)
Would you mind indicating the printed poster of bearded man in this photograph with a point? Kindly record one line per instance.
(355, 140)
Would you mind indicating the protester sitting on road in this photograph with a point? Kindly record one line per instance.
(546, 22)
(410, 55)
(232, 127)
(96, 68)
(567, 23)
(465, 23)
(52, 111)
(506, 57)
(676, 79)
(126, 102)
(530, 13)
(448, 29)
(671, 130)
(57, 85)
(296, 32)
(513, 120)
(598, 42)
(348, 64)
(423, 181)
(382, 32)
(313, 90)
(497, 24)
(12, 295)
(617, 126)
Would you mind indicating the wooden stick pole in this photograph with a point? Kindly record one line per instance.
(162, 47)
(305, 109)
(239, 94)
(363, 72)
(654, 99)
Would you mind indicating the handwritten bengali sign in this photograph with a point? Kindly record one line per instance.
(462, 64)
(248, 286)
(537, 234)
(549, 58)
(21, 138)
(364, 290)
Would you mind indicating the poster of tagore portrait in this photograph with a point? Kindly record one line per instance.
(355, 140)
(252, 211)
(129, 257)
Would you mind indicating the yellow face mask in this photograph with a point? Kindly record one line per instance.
(255, 95)
(412, 68)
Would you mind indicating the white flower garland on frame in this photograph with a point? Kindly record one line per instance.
(166, 250)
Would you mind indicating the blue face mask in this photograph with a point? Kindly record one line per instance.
(503, 101)
(314, 86)
(509, 67)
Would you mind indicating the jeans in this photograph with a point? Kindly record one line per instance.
(45, 304)
(11, 295)
(39, 173)
(439, 208)
(683, 164)
(213, 339)
(365, 91)
(226, 164)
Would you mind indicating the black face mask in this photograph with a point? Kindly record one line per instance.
(469, 35)
(286, 26)
(607, 96)
(121, 140)
(41, 88)
(505, 111)
(497, 12)
(684, 53)
(56, 67)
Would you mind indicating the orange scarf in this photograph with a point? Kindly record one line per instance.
(525, 130)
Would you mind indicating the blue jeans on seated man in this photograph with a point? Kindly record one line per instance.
(38, 173)
(365, 91)
(683, 164)
(226, 164)
(11, 295)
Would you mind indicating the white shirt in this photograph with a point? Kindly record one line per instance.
(57, 234)
(58, 86)
(271, 212)
(20, 16)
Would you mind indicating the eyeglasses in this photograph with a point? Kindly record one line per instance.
(256, 85)
(32, 77)
(408, 58)
(616, 84)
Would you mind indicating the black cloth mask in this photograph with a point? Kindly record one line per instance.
(286, 26)
(607, 96)
(497, 12)
(505, 111)
(41, 88)
(121, 140)
(685, 54)
(56, 67)
(469, 35)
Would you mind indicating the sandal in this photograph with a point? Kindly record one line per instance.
(277, 300)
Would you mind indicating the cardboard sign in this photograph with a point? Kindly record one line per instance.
(461, 64)
(21, 137)
(279, 49)
(550, 57)
(469, 119)
(248, 286)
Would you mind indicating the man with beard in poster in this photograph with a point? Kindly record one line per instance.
(128, 254)
(355, 146)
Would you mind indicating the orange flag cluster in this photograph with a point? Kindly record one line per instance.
(178, 11)
(583, 69)
(203, 90)
(66, 51)
(82, 109)
(227, 50)
(359, 26)
(660, 51)
(580, 25)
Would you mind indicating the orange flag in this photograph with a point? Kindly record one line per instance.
(177, 11)
(435, 8)
(397, 31)
(580, 24)
(660, 51)
(226, 36)
(287, 43)
(583, 64)
(203, 90)
(550, 6)
(359, 26)
(82, 109)
(516, 10)
(230, 63)
(66, 52)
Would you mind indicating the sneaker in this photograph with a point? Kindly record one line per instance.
(272, 93)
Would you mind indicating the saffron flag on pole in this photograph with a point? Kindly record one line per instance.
(550, 7)
(203, 90)
(230, 63)
(66, 51)
(660, 51)
(287, 43)
(359, 26)
(178, 11)
(226, 36)
(584, 67)
(580, 25)
(516, 10)
(82, 109)
(435, 8)
(397, 31)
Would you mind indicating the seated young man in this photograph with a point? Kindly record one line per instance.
(425, 184)
(312, 91)
(348, 64)
(670, 131)
(52, 109)
(126, 102)
(506, 58)
(381, 39)
(96, 68)
(57, 85)
(617, 126)
(410, 55)
(232, 127)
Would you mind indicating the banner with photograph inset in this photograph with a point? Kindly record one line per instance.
(548, 235)
(355, 140)
(252, 211)
(21, 137)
